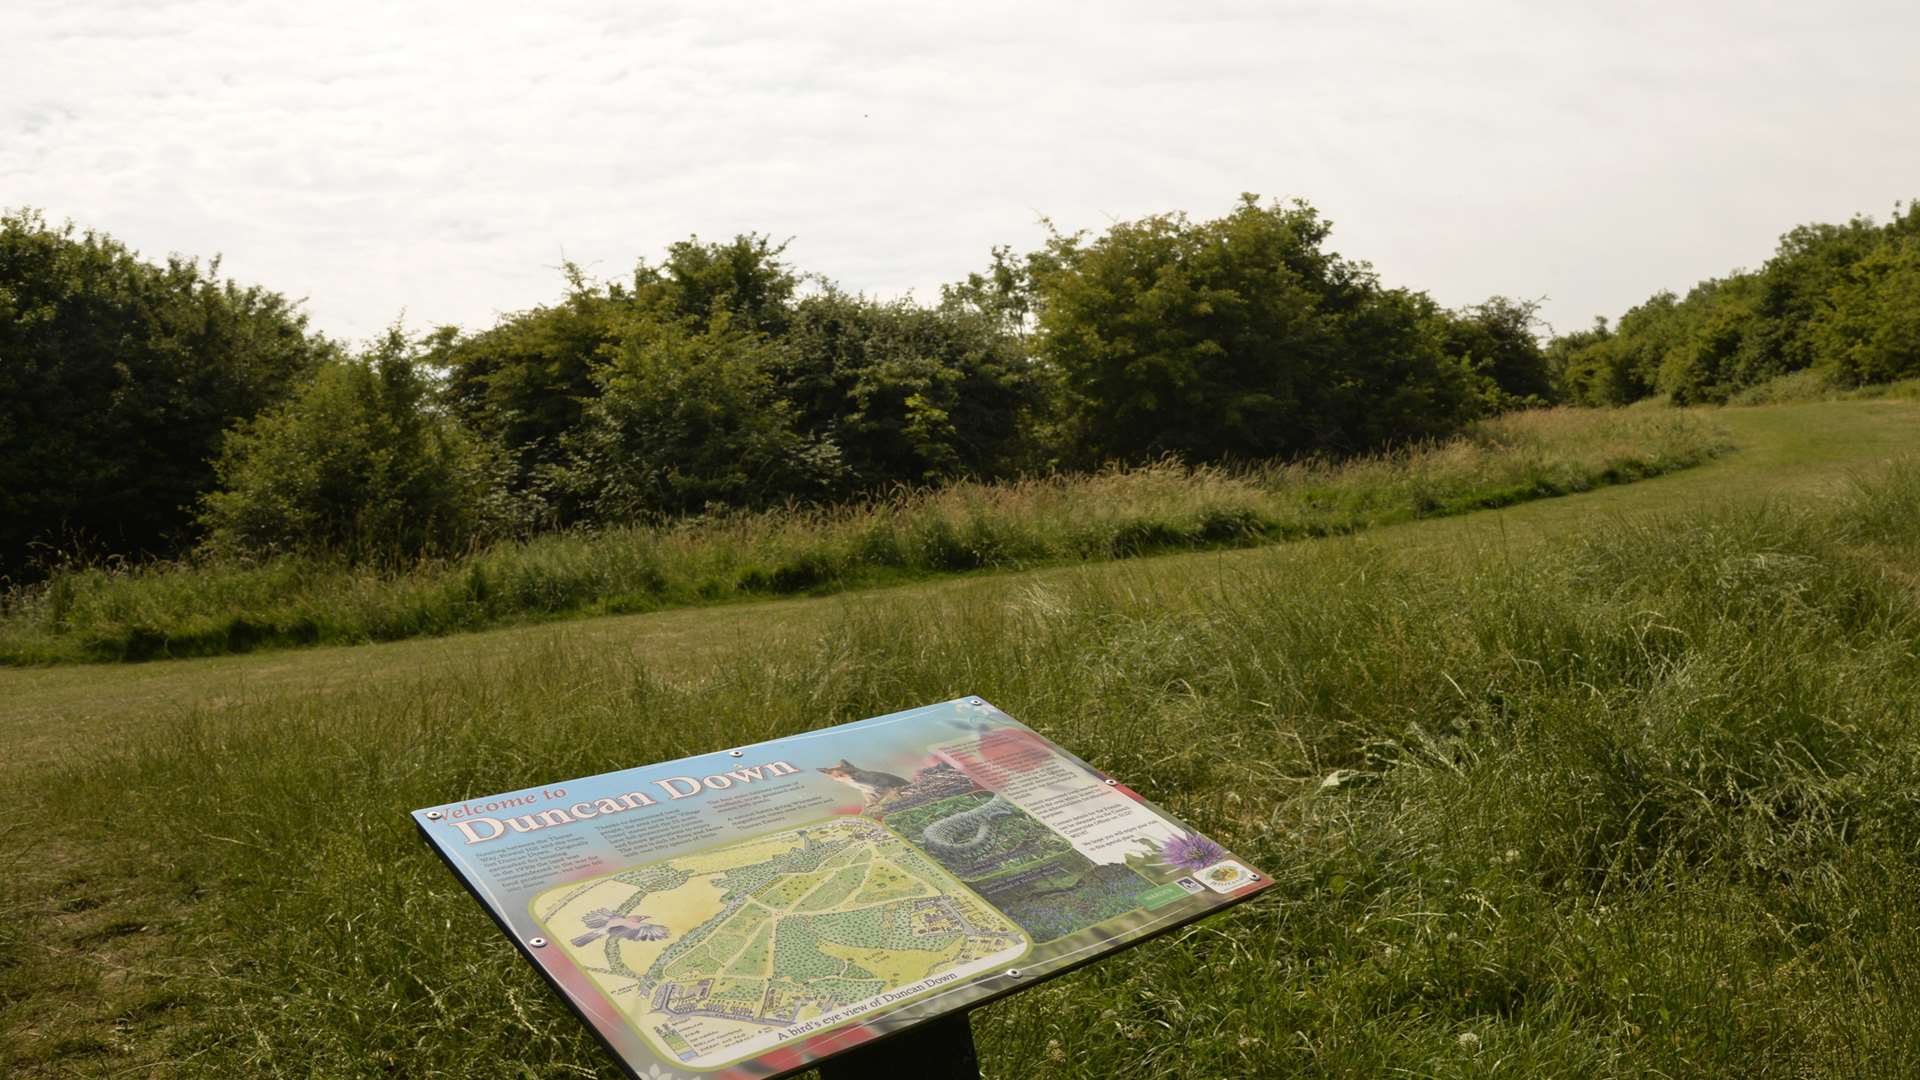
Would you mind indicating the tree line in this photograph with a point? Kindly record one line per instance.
(1842, 300)
(155, 409)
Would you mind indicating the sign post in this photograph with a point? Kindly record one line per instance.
(836, 899)
(937, 1050)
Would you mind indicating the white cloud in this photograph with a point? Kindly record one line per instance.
(443, 158)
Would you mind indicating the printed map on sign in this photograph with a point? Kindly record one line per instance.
(747, 913)
(719, 955)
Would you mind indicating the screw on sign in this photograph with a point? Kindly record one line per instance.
(630, 891)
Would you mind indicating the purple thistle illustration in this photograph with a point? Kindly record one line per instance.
(1191, 851)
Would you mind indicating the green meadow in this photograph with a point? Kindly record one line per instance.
(1612, 784)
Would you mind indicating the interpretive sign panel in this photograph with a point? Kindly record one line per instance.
(749, 912)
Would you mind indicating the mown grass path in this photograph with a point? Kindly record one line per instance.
(1792, 452)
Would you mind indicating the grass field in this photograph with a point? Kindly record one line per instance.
(1617, 784)
(207, 609)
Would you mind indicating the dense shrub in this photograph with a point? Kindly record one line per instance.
(1869, 330)
(910, 394)
(684, 419)
(117, 378)
(526, 383)
(1240, 337)
(1498, 340)
(358, 463)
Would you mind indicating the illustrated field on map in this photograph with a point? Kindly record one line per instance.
(721, 954)
(1019, 865)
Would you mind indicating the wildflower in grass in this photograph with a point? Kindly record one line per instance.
(1469, 1042)
(1191, 851)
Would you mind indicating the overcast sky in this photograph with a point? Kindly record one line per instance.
(441, 159)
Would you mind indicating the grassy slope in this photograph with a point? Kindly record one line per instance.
(1788, 452)
(196, 609)
(1465, 892)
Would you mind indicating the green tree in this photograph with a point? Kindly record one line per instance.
(746, 280)
(359, 463)
(687, 418)
(1239, 337)
(909, 394)
(1625, 365)
(525, 383)
(1869, 329)
(1777, 333)
(1580, 362)
(1391, 381)
(1713, 342)
(117, 379)
(1005, 295)
(1499, 340)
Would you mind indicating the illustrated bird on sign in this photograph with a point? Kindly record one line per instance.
(623, 927)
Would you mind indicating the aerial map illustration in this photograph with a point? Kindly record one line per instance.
(1019, 865)
(746, 941)
(747, 913)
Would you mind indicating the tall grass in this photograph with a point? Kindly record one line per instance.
(1635, 805)
(204, 609)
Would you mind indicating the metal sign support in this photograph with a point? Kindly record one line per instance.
(936, 1050)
